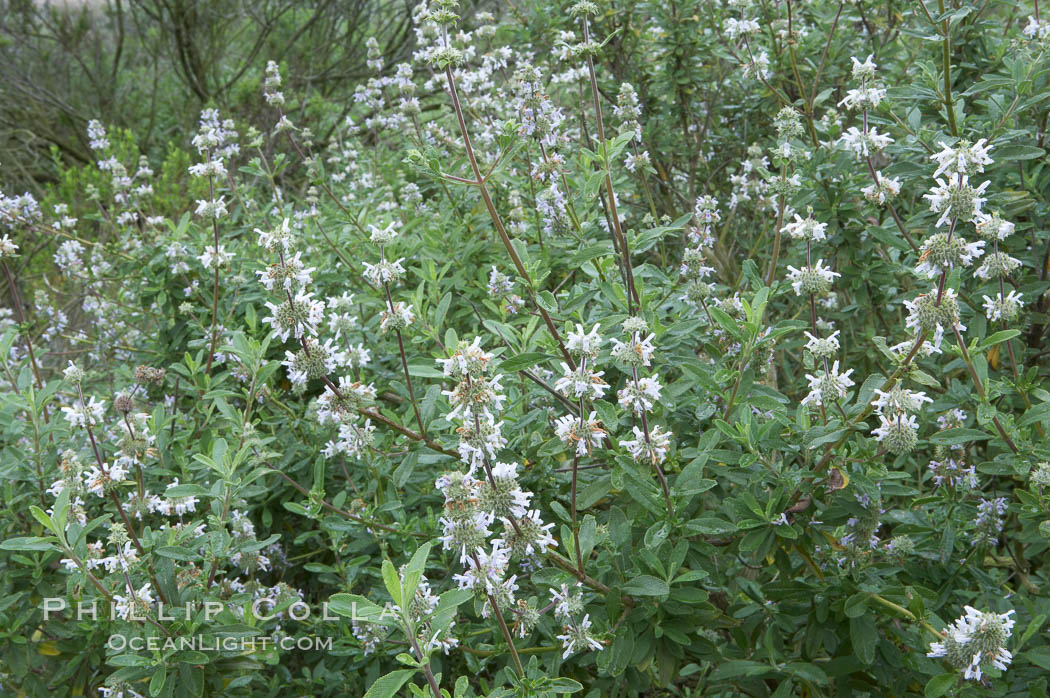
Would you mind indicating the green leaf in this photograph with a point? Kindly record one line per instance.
(176, 552)
(939, 685)
(646, 585)
(1040, 657)
(1018, 152)
(563, 685)
(962, 435)
(710, 526)
(185, 491)
(442, 309)
(856, 604)
(523, 361)
(1000, 336)
(1038, 413)
(414, 571)
(864, 636)
(424, 369)
(392, 582)
(546, 300)
(156, 684)
(387, 686)
(41, 516)
(354, 606)
(27, 543)
(738, 668)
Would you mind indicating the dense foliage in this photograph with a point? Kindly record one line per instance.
(669, 348)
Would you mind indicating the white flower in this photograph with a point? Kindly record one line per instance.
(583, 434)
(865, 70)
(641, 396)
(97, 135)
(581, 383)
(384, 271)
(383, 236)
(8, 248)
(85, 414)
(899, 432)
(825, 388)
(73, 373)
(299, 318)
(938, 254)
(991, 226)
(899, 400)
(636, 350)
(567, 601)
(867, 97)
(976, 639)
(1004, 308)
(864, 144)
(399, 317)
(805, 229)
(823, 347)
(1036, 29)
(926, 315)
(632, 161)
(481, 396)
(741, 27)
(215, 208)
(965, 158)
(134, 605)
(885, 189)
(487, 571)
(816, 279)
(584, 343)
(280, 237)
(215, 257)
(499, 283)
(211, 168)
(466, 534)
(955, 198)
(997, 265)
(578, 637)
(654, 450)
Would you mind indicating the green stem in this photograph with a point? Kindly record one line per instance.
(946, 54)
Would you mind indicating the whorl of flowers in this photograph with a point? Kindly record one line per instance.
(975, 642)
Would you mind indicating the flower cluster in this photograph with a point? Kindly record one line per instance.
(976, 641)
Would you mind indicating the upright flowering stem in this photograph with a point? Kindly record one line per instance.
(404, 365)
(875, 177)
(772, 273)
(434, 688)
(479, 182)
(824, 57)
(105, 471)
(502, 625)
(944, 272)
(575, 479)
(112, 494)
(946, 56)
(16, 303)
(632, 292)
(980, 388)
(215, 284)
(808, 106)
(668, 502)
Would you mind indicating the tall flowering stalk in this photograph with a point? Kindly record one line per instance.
(474, 502)
(215, 141)
(397, 316)
(641, 394)
(446, 57)
(582, 432)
